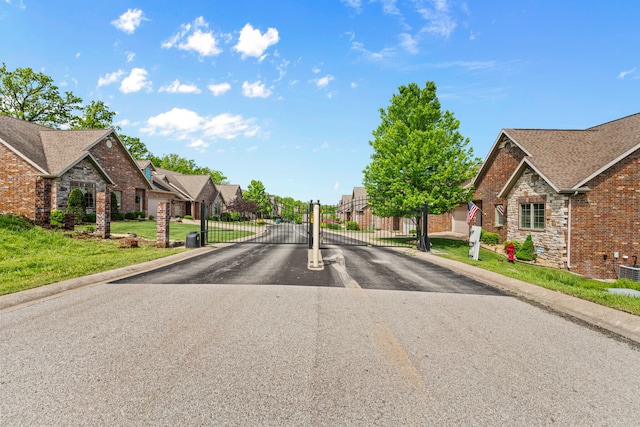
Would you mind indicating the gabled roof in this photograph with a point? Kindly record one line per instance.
(359, 198)
(228, 192)
(53, 152)
(568, 159)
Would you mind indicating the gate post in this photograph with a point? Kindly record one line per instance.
(310, 225)
(316, 236)
(204, 222)
(424, 244)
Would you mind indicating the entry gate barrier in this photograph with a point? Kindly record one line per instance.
(349, 223)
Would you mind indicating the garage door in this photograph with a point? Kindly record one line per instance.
(153, 206)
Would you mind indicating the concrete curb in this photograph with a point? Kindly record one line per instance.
(618, 322)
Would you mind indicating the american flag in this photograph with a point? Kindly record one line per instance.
(500, 209)
(472, 209)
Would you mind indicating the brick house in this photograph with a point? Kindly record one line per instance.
(39, 167)
(185, 193)
(577, 192)
(227, 194)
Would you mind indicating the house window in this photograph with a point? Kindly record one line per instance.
(118, 198)
(499, 222)
(532, 216)
(88, 190)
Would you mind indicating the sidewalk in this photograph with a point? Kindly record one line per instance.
(618, 322)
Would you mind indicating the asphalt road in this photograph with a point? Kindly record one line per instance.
(247, 335)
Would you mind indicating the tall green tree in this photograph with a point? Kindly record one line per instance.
(95, 115)
(136, 147)
(33, 97)
(186, 166)
(256, 193)
(418, 156)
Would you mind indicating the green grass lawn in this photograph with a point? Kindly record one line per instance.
(177, 230)
(31, 257)
(550, 278)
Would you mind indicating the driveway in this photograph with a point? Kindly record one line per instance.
(246, 335)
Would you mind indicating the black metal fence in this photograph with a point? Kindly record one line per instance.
(349, 223)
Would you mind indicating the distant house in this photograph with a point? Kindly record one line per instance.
(227, 195)
(39, 167)
(185, 193)
(577, 192)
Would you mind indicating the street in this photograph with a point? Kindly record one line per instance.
(247, 335)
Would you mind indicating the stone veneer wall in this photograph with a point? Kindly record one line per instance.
(83, 171)
(552, 240)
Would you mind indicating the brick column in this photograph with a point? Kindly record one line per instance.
(103, 214)
(43, 202)
(162, 227)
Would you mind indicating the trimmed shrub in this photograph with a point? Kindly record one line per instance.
(130, 215)
(151, 218)
(139, 214)
(90, 218)
(225, 216)
(235, 216)
(56, 217)
(114, 208)
(331, 226)
(119, 216)
(413, 232)
(489, 238)
(76, 205)
(260, 221)
(352, 225)
(188, 217)
(527, 251)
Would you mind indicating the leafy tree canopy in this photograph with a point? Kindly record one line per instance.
(419, 156)
(95, 115)
(256, 193)
(136, 147)
(176, 163)
(33, 97)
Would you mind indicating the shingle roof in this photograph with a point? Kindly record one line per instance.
(52, 151)
(228, 192)
(569, 158)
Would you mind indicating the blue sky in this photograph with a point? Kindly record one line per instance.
(287, 92)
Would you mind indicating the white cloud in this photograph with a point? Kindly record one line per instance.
(382, 55)
(336, 185)
(315, 70)
(184, 124)
(624, 74)
(252, 43)
(177, 87)
(409, 43)
(198, 145)
(355, 4)
(252, 149)
(323, 82)
(353, 85)
(228, 126)
(194, 37)
(470, 65)
(255, 90)
(323, 146)
(219, 89)
(130, 56)
(439, 18)
(110, 78)
(129, 21)
(78, 55)
(135, 81)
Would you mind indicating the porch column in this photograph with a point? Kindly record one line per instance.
(103, 214)
(162, 225)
